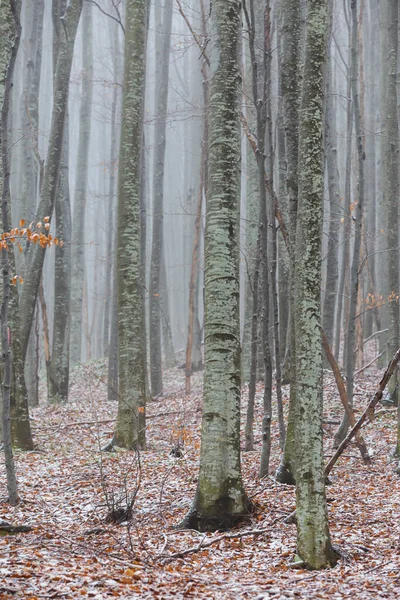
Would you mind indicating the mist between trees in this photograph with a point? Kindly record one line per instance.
(192, 186)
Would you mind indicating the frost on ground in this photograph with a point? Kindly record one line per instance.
(68, 485)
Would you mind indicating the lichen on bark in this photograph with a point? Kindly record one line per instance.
(132, 372)
(220, 498)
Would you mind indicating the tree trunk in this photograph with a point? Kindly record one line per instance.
(31, 162)
(110, 265)
(78, 223)
(35, 257)
(313, 540)
(220, 498)
(332, 267)
(10, 33)
(354, 272)
(291, 36)
(132, 375)
(391, 188)
(161, 105)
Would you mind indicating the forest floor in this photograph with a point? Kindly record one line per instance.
(72, 552)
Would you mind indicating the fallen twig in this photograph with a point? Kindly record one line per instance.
(369, 364)
(105, 421)
(202, 546)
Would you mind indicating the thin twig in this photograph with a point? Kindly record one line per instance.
(202, 546)
(369, 364)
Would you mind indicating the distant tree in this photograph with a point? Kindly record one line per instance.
(78, 224)
(132, 368)
(220, 497)
(313, 540)
(391, 183)
(36, 254)
(163, 33)
(58, 365)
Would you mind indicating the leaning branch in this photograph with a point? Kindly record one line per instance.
(343, 396)
(368, 413)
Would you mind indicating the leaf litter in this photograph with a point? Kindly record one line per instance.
(67, 484)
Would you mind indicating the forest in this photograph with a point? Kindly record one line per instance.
(199, 318)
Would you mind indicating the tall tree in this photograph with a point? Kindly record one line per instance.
(354, 271)
(291, 36)
(161, 103)
(132, 368)
(58, 366)
(332, 169)
(10, 33)
(391, 185)
(220, 498)
(20, 425)
(34, 12)
(78, 224)
(35, 256)
(313, 540)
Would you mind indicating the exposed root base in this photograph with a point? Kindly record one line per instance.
(203, 523)
(284, 475)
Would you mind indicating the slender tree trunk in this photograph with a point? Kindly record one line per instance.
(78, 224)
(272, 219)
(169, 352)
(109, 300)
(354, 273)
(10, 33)
(332, 267)
(391, 188)
(35, 257)
(220, 498)
(161, 101)
(132, 375)
(31, 162)
(291, 36)
(347, 217)
(313, 540)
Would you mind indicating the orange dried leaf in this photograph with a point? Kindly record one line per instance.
(22, 222)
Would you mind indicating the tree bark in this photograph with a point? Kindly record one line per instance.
(161, 105)
(291, 36)
(78, 223)
(10, 33)
(313, 539)
(220, 498)
(391, 188)
(132, 371)
(354, 272)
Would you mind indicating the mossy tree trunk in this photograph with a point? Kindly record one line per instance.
(21, 435)
(10, 34)
(291, 38)
(132, 370)
(313, 540)
(220, 498)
